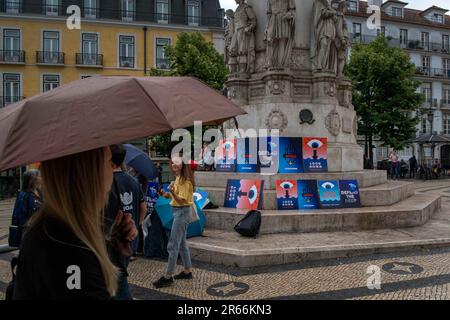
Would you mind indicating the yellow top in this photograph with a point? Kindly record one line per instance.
(185, 191)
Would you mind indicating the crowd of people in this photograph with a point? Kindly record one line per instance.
(401, 169)
(85, 212)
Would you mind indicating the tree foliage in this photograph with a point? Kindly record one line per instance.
(384, 93)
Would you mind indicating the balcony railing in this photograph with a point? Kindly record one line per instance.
(433, 72)
(126, 62)
(445, 103)
(163, 63)
(6, 100)
(89, 59)
(11, 6)
(128, 15)
(49, 57)
(12, 56)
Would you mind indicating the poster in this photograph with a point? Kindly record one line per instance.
(244, 194)
(308, 197)
(290, 155)
(315, 154)
(201, 197)
(268, 155)
(350, 194)
(287, 194)
(152, 194)
(329, 194)
(247, 155)
(226, 156)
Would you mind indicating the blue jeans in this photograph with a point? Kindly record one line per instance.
(123, 290)
(394, 170)
(177, 241)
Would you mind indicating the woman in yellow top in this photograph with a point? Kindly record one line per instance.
(182, 194)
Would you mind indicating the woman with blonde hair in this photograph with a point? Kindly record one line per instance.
(64, 252)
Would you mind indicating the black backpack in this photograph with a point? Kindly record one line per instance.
(249, 226)
(10, 288)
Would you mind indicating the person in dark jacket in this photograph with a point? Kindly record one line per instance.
(64, 252)
(28, 202)
(412, 167)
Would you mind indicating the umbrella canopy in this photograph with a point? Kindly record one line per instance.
(140, 162)
(104, 110)
(165, 213)
(431, 138)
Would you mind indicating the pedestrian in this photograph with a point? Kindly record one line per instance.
(64, 251)
(28, 202)
(412, 167)
(160, 172)
(182, 194)
(393, 157)
(126, 196)
(403, 169)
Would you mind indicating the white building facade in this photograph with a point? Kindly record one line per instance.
(424, 35)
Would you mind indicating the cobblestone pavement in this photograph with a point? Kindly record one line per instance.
(423, 274)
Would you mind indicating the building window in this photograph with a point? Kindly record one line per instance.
(162, 11)
(403, 38)
(425, 40)
(426, 91)
(90, 49)
(11, 45)
(127, 51)
(438, 18)
(445, 43)
(51, 7)
(161, 61)
(50, 47)
(193, 12)
(13, 6)
(446, 123)
(425, 125)
(11, 88)
(352, 5)
(446, 95)
(426, 61)
(128, 10)
(381, 31)
(90, 8)
(49, 82)
(382, 153)
(357, 32)
(397, 12)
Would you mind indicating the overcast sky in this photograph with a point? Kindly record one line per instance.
(413, 4)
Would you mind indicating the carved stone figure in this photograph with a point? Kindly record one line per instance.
(229, 32)
(280, 32)
(333, 123)
(342, 39)
(323, 48)
(243, 41)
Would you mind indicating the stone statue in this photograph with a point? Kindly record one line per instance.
(323, 48)
(229, 32)
(243, 41)
(280, 32)
(343, 40)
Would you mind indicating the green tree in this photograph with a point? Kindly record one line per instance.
(193, 56)
(384, 94)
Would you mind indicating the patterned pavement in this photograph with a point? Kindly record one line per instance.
(423, 274)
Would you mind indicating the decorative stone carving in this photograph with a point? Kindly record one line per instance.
(257, 92)
(343, 40)
(302, 90)
(276, 120)
(243, 41)
(347, 123)
(355, 127)
(306, 116)
(323, 48)
(276, 87)
(228, 36)
(330, 89)
(299, 60)
(333, 123)
(280, 32)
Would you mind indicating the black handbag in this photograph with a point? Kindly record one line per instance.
(15, 236)
(250, 225)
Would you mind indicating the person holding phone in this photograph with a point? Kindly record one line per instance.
(182, 194)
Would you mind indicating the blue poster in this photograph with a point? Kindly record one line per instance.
(268, 154)
(315, 154)
(201, 197)
(308, 197)
(152, 194)
(350, 194)
(247, 155)
(290, 155)
(226, 156)
(329, 194)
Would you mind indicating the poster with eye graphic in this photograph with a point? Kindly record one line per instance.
(315, 154)
(350, 194)
(287, 194)
(225, 156)
(329, 194)
(247, 155)
(244, 194)
(308, 197)
(290, 155)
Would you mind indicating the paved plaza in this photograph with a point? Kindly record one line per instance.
(419, 273)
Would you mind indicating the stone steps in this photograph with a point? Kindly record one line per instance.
(413, 211)
(230, 249)
(380, 195)
(366, 178)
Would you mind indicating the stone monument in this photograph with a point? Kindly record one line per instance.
(286, 59)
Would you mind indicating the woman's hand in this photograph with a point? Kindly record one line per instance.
(123, 232)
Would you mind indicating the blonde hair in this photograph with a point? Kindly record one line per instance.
(74, 193)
